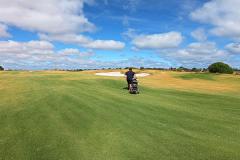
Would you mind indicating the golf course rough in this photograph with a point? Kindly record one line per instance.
(80, 116)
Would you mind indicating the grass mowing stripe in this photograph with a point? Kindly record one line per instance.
(84, 117)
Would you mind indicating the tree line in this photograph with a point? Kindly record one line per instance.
(218, 67)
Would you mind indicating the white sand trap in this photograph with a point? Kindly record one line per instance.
(111, 74)
(142, 74)
(118, 74)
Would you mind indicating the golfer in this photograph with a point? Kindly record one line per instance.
(129, 76)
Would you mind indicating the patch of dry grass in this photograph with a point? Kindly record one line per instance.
(170, 80)
(222, 83)
(157, 79)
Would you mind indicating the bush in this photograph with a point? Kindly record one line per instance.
(181, 69)
(220, 67)
(1, 68)
(196, 70)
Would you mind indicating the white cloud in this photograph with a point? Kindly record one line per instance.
(53, 20)
(199, 54)
(46, 16)
(84, 41)
(69, 51)
(29, 48)
(105, 45)
(74, 52)
(3, 31)
(158, 41)
(199, 34)
(224, 15)
(233, 48)
(66, 38)
(40, 55)
(202, 48)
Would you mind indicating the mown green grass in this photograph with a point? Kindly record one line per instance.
(203, 76)
(74, 116)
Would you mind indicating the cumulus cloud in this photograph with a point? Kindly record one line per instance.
(199, 34)
(47, 16)
(105, 45)
(198, 54)
(53, 20)
(85, 41)
(233, 48)
(66, 38)
(75, 52)
(27, 48)
(158, 41)
(3, 31)
(202, 48)
(224, 15)
(40, 55)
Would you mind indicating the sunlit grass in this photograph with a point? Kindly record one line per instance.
(77, 115)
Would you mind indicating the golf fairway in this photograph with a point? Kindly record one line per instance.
(80, 116)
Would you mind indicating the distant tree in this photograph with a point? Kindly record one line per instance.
(141, 68)
(1, 68)
(196, 69)
(172, 69)
(220, 67)
(180, 69)
(131, 67)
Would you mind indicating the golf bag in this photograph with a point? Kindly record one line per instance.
(134, 87)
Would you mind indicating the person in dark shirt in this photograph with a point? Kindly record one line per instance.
(129, 76)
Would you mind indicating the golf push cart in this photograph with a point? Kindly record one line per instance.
(134, 87)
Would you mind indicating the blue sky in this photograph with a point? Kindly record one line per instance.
(67, 34)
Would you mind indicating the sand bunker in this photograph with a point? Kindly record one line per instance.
(118, 74)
